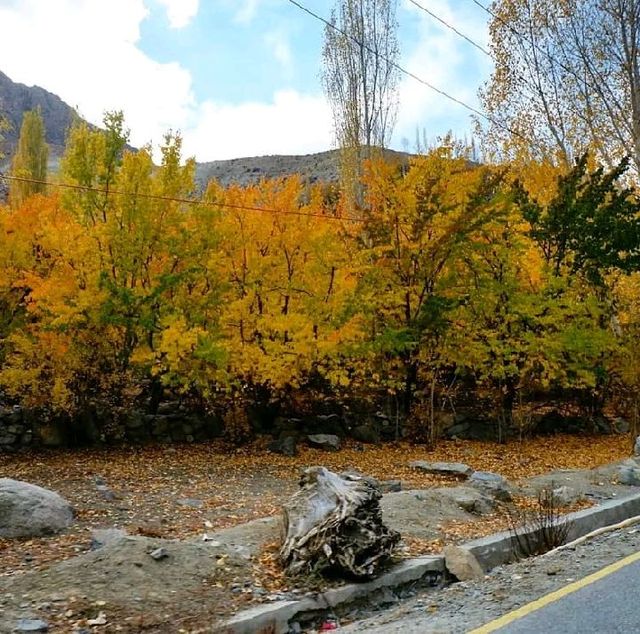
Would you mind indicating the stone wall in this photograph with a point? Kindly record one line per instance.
(15, 430)
(20, 429)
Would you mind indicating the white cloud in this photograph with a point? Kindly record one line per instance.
(291, 124)
(180, 12)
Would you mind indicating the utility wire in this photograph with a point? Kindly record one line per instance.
(451, 28)
(188, 201)
(481, 48)
(408, 73)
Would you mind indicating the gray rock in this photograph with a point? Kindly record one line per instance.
(636, 447)
(190, 502)
(469, 499)
(442, 468)
(390, 486)
(328, 442)
(101, 537)
(366, 433)
(621, 426)
(106, 493)
(31, 625)
(285, 446)
(462, 564)
(629, 475)
(564, 495)
(158, 554)
(492, 484)
(27, 510)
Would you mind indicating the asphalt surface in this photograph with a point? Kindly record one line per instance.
(606, 605)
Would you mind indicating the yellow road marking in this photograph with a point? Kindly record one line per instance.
(554, 596)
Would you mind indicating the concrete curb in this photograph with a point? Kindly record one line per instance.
(498, 549)
(490, 552)
(278, 614)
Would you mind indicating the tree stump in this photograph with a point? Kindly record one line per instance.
(334, 523)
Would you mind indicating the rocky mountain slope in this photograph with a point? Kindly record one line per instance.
(16, 99)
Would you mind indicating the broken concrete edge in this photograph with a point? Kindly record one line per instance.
(278, 615)
(491, 551)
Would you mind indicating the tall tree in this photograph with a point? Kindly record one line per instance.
(566, 78)
(360, 78)
(30, 159)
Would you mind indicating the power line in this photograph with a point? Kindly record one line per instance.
(188, 201)
(451, 28)
(408, 73)
(471, 41)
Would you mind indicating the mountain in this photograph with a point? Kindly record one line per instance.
(16, 99)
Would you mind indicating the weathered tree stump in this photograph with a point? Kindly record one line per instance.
(334, 523)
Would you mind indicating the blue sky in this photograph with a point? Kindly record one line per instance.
(236, 77)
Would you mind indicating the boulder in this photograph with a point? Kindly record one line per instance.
(366, 433)
(328, 442)
(492, 484)
(330, 424)
(469, 499)
(27, 510)
(457, 469)
(31, 625)
(629, 475)
(636, 447)
(193, 503)
(285, 446)
(390, 486)
(564, 496)
(462, 564)
(101, 537)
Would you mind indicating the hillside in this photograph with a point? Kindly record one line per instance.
(322, 166)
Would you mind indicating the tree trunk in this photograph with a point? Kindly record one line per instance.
(334, 523)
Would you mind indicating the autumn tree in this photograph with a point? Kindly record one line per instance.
(566, 78)
(30, 159)
(418, 227)
(360, 78)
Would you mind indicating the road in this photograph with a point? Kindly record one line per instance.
(604, 602)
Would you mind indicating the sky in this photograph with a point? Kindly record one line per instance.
(235, 77)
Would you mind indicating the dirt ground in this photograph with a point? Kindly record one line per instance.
(170, 497)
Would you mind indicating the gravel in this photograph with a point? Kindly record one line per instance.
(464, 606)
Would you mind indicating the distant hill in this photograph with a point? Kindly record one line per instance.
(322, 166)
(16, 99)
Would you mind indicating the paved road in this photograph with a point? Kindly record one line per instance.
(606, 602)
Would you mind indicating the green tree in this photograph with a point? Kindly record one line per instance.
(592, 226)
(30, 159)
